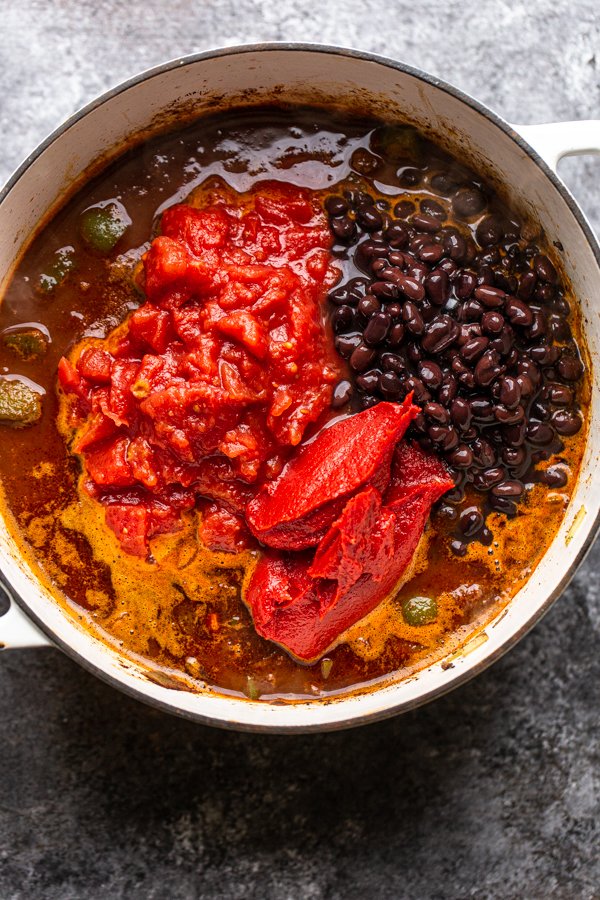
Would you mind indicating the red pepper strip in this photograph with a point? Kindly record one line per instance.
(307, 615)
(295, 510)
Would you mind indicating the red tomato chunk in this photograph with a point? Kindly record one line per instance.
(215, 378)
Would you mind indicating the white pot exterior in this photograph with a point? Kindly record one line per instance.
(305, 74)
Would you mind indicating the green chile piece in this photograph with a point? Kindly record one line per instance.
(58, 270)
(398, 142)
(102, 227)
(419, 611)
(19, 404)
(30, 343)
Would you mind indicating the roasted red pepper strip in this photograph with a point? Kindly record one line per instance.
(295, 510)
(305, 614)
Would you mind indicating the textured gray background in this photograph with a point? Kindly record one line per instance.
(491, 792)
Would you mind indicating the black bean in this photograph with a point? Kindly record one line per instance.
(531, 369)
(368, 305)
(514, 435)
(471, 521)
(432, 208)
(436, 412)
(481, 409)
(540, 433)
(510, 392)
(461, 457)
(440, 334)
(566, 422)
(517, 312)
(559, 328)
(408, 176)
(403, 209)
(494, 477)
(488, 368)
(554, 476)
(390, 386)
(377, 328)
(448, 390)
(504, 505)
(430, 374)
(539, 326)
(544, 355)
(362, 357)
(412, 318)
(471, 311)
(473, 349)
(368, 400)
(544, 268)
(513, 456)
(396, 235)
(483, 453)
(431, 252)
(391, 362)
(336, 206)
(461, 413)
(344, 228)
(544, 293)
(341, 394)
(415, 384)
(369, 218)
(466, 282)
(344, 295)
(508, 416)
(468, 202)
(388, 273)
(540, 410)
(455, 246)
(569, 367)
(491, 297)
(343, 319)
(345, 344)
(450, 441)
(489, 231)
(385, 290)
(364, 162)
(560, 394)
(396, 334)
(437, 287)
(492, 322)
(368, 382)
(438, 433)
(459, 548)
(527, 285)
(428, 224)
(411, 288)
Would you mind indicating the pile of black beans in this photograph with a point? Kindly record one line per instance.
(454, 301)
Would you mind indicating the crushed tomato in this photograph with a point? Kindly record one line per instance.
(201, 395)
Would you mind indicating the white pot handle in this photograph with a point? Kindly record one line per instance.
(16, 630)
(557, 139)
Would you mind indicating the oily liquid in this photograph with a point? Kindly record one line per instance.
(182, 613)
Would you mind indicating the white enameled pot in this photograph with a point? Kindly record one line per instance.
(520, 161)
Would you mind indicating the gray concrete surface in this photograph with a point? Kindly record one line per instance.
(491, 792)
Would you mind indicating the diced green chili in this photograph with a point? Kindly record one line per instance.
(102, 227)
(28, 343)
(398, 142)
(19, 404)
(326, 667)
(57, 271)
(419, 611)
(252, 688)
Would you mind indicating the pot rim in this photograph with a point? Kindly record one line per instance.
(458, 677)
